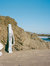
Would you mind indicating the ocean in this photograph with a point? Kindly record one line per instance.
(46, 39)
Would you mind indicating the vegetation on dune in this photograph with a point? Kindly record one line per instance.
(23, 40)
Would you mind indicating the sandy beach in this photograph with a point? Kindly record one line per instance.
(24, 32)
(26, 58)
(28, 49)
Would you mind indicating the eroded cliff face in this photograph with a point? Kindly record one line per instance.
(23, 40)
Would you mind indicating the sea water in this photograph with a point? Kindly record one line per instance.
(46, 39)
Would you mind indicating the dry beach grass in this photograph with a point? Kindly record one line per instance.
(36, 52)
(23, 40)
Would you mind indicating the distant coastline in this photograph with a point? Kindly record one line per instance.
(38, 34)
(43, 34)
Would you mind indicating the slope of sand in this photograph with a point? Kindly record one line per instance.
(23, 40)
(26, 58)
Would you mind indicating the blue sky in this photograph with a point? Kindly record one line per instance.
(31, 15)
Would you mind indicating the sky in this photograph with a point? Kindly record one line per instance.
(31, 15)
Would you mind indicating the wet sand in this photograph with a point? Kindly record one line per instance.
(26, 58)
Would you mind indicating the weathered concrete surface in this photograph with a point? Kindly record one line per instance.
(1, 47)
(10, 38)
(26, 58)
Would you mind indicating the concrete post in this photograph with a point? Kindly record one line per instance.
(10, 38)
